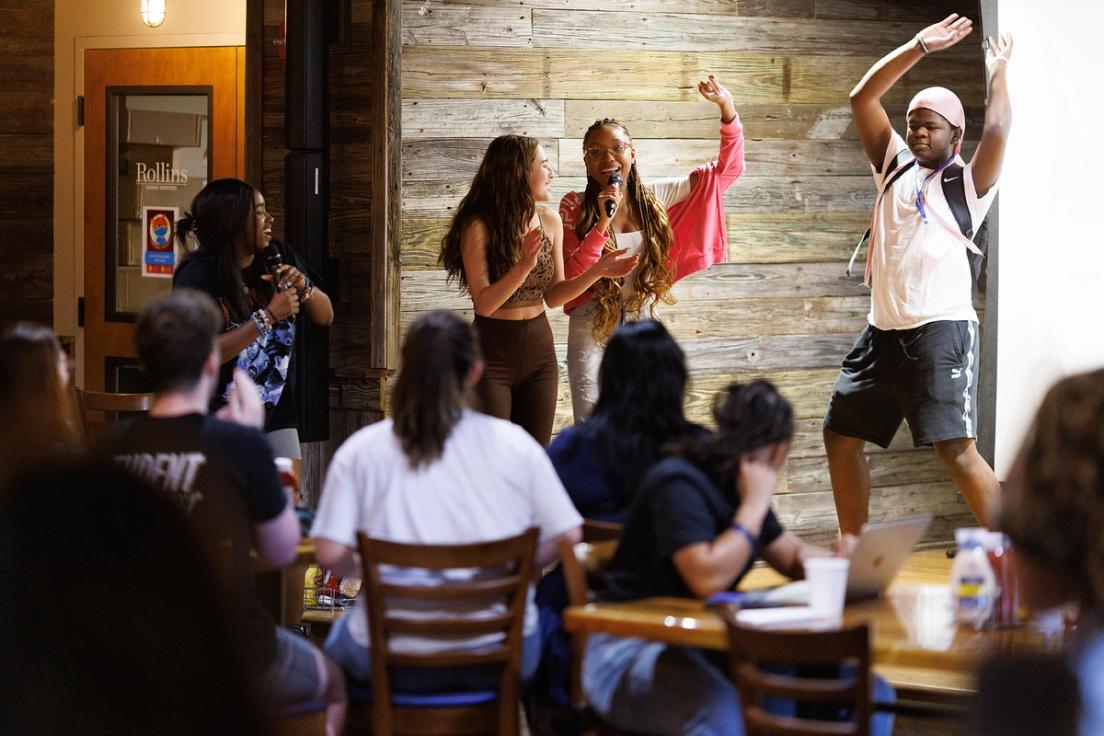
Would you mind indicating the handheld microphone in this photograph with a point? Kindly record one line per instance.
(614, 179)
(273, 260)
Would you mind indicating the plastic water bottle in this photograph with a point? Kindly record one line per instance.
(972, 580)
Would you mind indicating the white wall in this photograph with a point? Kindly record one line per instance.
(1051, 292)
(88, 24)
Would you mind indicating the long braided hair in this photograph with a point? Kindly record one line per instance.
(1054, 509)
(653, 275)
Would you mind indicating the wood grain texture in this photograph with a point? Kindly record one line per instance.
(477, 118)
(27, 162)
(782, 307)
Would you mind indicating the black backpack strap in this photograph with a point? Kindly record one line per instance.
(954, 189)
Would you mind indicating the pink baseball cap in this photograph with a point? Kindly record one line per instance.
(945, 102)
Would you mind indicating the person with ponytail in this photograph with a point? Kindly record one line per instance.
(676, 226)
(437, 472)
(701, 518)
(232, 227)
(507, 254)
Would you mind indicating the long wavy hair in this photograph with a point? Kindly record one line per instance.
(501, 199)
(39, 414)
(653, 274)
(642, 384)
(1054, 511)
(748, 416)
(432, 389)
(222, 215)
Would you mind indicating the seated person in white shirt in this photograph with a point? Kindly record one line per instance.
(437, 473)
(918, 357)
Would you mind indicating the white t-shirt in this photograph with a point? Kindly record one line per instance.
(668, 191)
(920, 269)
(492, 481)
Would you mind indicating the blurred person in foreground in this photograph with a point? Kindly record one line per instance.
(1053, 511)
(113, 623)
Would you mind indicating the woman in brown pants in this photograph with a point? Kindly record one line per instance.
(507, 253)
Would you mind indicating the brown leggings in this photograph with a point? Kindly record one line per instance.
(520, 377)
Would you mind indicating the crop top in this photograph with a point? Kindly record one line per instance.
(539, 279)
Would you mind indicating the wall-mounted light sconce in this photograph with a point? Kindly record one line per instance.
(153, 12)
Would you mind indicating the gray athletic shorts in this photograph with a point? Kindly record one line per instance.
(292, 676)
(926, 375)
(285, 443)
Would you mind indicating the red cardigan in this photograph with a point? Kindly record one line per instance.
(698, 222)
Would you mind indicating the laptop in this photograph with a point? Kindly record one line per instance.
(882, 549)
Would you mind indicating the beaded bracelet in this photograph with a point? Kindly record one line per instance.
(308, 291)
(262, 322)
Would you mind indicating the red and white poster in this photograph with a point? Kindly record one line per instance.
(158, 254)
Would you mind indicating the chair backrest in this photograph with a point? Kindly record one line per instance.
(582, 563)
(98, 408)
(501, 585)
(750, 649)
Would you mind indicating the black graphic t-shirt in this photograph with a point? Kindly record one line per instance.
(224, 477)
(268, 360)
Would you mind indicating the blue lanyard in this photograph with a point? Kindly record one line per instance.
(920, 189)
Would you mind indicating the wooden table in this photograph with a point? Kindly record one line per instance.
(916, 645)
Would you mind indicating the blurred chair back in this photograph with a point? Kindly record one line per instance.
(750, 649)
(506, 570)
(99, 408)
(583, 565)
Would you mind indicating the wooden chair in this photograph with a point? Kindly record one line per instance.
(507, 569)
(583, 563)
(99, 408)
(751, 648)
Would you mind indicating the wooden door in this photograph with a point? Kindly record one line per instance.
(146, 112)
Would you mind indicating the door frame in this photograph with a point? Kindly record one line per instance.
(229, 162)
(69, 206)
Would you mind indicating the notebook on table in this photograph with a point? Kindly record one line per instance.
(879, 554)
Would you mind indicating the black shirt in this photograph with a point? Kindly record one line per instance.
(224, 478)
(199, 271)
(678, 505)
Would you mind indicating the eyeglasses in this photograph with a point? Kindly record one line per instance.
(599, 151)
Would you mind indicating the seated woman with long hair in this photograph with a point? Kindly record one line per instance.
(436, 473)
(507, 254)
(639, 411)
(700, 520)
(1053, 511)
(38, 414)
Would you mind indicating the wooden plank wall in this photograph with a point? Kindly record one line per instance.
(27, 161)
(781, 308)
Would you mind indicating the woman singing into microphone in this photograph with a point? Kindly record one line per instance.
(229, 220)
(676, 226)
(507, 253)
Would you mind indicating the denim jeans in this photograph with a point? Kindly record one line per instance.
(656, 688)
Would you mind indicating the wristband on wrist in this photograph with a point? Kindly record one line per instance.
(923, 46)
(307, 293)
(262, 321)
(751, 538)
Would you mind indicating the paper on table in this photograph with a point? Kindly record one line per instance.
(788, 617)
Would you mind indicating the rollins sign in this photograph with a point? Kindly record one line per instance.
(161, 173)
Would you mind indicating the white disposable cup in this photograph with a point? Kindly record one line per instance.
(827, 578)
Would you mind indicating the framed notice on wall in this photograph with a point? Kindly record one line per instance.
(159, 229)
